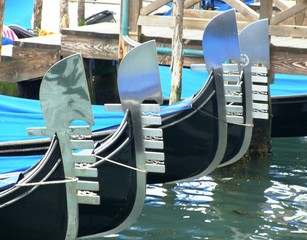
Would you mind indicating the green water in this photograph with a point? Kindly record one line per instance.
(265, 199)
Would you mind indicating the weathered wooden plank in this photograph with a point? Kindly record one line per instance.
(188, 23)
(299, 7)
(299, 18)
(208, 14)
(81, 12)
(64, 14)
(243, 9)
(37, 14)
(177, 56)
(167, 21)
(27, 68)
(266, 8)
(153, 6)
(99, 46)
(288, 30)
(281, 5)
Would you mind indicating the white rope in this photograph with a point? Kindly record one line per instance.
(117, 163)
(68, 180)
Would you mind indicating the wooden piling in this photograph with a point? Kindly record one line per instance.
(177, 55)
(37, 13)
(81, 12)
(64, 14)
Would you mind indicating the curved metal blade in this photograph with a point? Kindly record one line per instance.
(220, 40)
(138, 75)
(64, 94)
(254, 43)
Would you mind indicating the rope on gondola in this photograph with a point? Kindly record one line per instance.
(210, 115)
(102, 159)
(68, 180)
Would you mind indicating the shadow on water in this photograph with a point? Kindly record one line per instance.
(261, 199)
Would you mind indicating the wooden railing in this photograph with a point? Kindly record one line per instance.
(286, 17)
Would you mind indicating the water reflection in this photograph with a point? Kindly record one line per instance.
(263, 199)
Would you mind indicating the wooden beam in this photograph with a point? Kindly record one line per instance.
(288, 30)
(37, 14)
(64, 14)
(81, 12)
(177, 54)
(280, 5)
(299, 7)
(243, 9)
(188, 23)
(153, 6)
(208, 14)
(29, 61)
(190, 3)
(266, 7)
(90, 45)
(299, 17)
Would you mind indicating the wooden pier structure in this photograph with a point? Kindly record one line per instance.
(288, 31)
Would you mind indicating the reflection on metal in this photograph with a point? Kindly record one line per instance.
(64, 99)
(219, 45)
(139, 80)
(254, 45)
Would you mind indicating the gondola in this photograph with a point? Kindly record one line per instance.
(289, 109)
(203, 125)
(67, 195)
(194, 139)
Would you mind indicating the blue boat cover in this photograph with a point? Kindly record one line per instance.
(8, 181)
(17, 114)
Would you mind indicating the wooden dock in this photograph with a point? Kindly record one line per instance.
(33, 56)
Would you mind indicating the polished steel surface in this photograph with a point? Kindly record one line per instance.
(221, 40)
(64, 94)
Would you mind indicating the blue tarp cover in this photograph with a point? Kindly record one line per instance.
(18, 114)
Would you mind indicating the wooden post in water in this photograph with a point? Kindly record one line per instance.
(177, 55)
(64, 14)
(37, 12)
(2, 6)
(261, 139)
(81, 12)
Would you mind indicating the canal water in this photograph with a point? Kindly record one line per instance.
(263, 199)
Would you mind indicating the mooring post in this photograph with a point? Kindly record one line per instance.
(177, 54)
(2, 6)
(37, 13)
(261, 140)
(81, 12)
(266, 8)
(64, 14)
